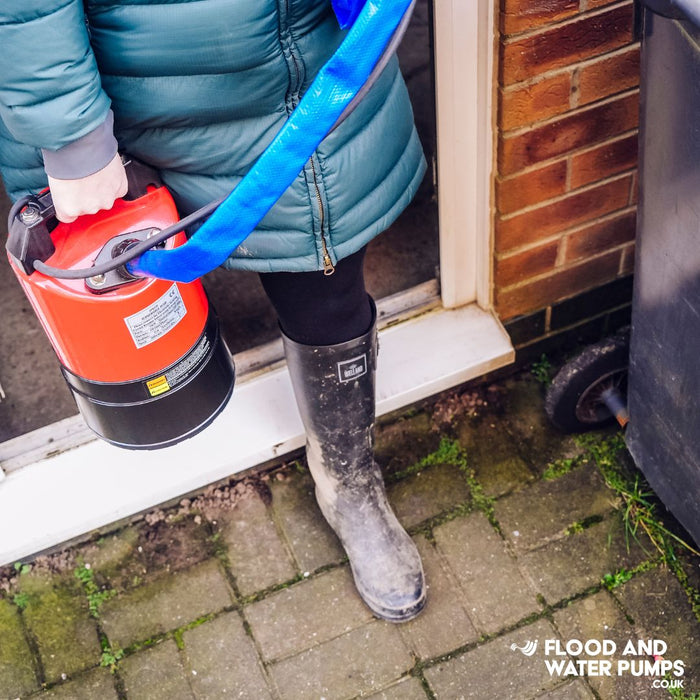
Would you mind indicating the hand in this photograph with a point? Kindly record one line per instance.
(90, 194)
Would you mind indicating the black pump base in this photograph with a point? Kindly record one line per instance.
(165, 408)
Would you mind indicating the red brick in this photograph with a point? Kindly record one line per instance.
(600, 237)
(520, 15)
(567, 282)
(566, 44)
(603, 161)
(529, 263)
(581, 128)
(609, 76)
(532, 187)
(541, 100)
(550, 219)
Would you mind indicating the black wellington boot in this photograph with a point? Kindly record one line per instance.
(334, 388)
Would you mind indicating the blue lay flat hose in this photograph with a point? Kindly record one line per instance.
(373, 25)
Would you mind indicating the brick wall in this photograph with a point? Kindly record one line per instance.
(566, 178)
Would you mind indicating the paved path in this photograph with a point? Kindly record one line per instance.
(242, 591)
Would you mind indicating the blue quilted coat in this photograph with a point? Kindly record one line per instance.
(198, 88)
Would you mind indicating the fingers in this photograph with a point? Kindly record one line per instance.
(88, 195)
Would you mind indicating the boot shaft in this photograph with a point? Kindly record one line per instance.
(334, 386)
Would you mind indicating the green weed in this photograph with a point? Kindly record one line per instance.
(21, 568)
(621, 576)
(95, 596)
(110, 656)
(638, 508)
(541, 370)
(21, 600)
(560, 467)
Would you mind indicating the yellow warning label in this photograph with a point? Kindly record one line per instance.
(157, 386)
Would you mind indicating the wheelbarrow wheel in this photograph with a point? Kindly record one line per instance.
(574, 400)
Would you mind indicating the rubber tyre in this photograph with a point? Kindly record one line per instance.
(571, 404)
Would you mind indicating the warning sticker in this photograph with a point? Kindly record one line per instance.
(157, 319)
(158, 386)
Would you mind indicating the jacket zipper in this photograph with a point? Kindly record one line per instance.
(328, 267)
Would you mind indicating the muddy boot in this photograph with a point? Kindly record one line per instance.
(334, 388)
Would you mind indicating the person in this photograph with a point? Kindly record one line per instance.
(197, 90)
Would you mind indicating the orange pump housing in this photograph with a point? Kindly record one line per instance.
(143, 358)
(88, 331)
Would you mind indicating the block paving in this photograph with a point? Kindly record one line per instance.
(241, 590)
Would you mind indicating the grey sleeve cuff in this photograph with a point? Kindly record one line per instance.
(85, 156)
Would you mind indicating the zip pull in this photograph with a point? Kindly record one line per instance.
(328, 268)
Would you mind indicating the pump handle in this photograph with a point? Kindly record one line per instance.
(33, 218)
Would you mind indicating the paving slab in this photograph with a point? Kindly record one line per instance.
(543, 511)
(222, 661)
(575, 690)
(297, 618)
(661, 610)
(259, 558)
(444, 624)
(58, 618)
(116, 557)
(428, 493)
(493, 454)
(494, 670)
(165, 604)
(17, 674)
(405, 689)
(599, 617)
(527, 422)
(156, 673)
(311, 539)
(569, 566)
(495, 593)
(95, 683)
(355, 664)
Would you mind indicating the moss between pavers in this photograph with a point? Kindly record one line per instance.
(493, 454)
(400, 444)
(166, 604)
(17, 674)
(569, 566)
(545, 510)
(428, 493)
(58, 618)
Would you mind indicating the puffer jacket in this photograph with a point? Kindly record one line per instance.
(198, 88)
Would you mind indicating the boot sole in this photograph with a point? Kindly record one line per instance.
(394, 615)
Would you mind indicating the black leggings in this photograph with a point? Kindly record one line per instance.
(318, 309)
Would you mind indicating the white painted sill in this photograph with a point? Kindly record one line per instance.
(47, 500)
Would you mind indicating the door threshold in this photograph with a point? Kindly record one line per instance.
(72, 484)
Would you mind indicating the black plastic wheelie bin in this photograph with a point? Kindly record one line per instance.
(662, 379)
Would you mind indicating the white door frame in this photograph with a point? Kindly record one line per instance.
(464, 65)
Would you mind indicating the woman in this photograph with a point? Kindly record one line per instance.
(198, 89)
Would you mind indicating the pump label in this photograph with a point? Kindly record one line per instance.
(158, 386)
(157, 319)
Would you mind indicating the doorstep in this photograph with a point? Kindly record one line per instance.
(70, 484)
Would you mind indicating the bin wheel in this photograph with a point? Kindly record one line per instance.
(573, 402)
